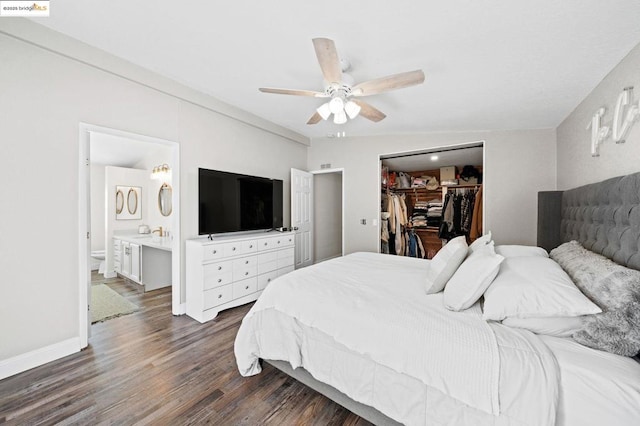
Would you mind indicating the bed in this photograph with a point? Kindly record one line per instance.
(403, 340)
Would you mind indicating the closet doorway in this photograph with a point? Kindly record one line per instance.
(430, 196)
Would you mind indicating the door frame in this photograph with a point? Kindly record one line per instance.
(84, 221)
(430, 150)
(341, 171)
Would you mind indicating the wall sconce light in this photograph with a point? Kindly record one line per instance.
(161, 172)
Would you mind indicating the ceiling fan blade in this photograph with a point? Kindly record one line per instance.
(328, 59)
(391, 82)
(294, 92)
(315, 119)
(369, 112)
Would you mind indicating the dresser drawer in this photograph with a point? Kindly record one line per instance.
(248, 247)
(245, 287)
(217, 274)
(244, 262)
(278, 241)
(213, 251)
(265, 279)
(285, 257)
(267, 262)
(245, 272)
(288, 240)
(232, 249)
(217, 296)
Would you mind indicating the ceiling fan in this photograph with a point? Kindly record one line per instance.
(341, 91)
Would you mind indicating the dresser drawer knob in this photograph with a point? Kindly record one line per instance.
(215, 251)
(219, 268)
(246, 273)
(265, 243)
(219, 296)
(233, 249)
(251, 246)
(219, 280)
(278, 241)
(246, 262)
(246, 287)
(268, 280)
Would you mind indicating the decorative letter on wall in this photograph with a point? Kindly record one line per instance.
(625, 115)
(598, 132)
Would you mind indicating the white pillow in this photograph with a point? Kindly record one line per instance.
(445, 263)
(480, 242)
(472, 279)
(516, 250)
(534, 287)
(551, 326)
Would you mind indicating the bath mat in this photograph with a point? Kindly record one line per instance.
(107, 304)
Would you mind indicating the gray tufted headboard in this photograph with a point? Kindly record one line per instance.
(605, 218)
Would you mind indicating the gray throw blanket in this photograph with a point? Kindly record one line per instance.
(615, 289)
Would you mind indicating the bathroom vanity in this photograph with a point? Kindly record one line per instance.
(144, 259)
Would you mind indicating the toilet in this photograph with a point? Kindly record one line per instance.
(98, 261)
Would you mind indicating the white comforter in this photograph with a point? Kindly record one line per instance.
(375, 306)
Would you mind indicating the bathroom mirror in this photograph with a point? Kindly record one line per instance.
(164, 199)
(132, 201)
(119, 201)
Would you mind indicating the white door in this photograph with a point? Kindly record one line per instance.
(302, 216)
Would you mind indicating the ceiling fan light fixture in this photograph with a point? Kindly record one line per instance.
(336, 105)
(340, 117)
(352, 109)
(324, 110)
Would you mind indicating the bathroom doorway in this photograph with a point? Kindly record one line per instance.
(121, 202)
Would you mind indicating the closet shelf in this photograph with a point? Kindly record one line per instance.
(433, 229)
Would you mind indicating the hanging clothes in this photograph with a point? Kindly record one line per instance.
(457, 213)
(384, 232)
(476, 220)
(394, 221)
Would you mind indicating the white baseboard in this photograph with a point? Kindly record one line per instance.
(38, 357)
(182, 309)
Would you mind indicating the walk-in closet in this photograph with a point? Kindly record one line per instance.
(429, 197)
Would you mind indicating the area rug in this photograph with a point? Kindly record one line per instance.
(107, 304)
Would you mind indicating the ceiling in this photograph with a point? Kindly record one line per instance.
(489, 65)
(433, 160)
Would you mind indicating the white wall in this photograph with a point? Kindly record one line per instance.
(160, 155)
(517, 165)
(575, 165)
(98, 216)
(43, 99)
(327, 226)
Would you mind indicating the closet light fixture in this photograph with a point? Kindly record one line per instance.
(161, 172)
(434, 158)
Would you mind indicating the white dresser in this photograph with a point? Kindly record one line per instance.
(233, 270)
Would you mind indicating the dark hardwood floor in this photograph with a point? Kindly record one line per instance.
(150, 367)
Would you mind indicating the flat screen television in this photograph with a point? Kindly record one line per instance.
(231, 202)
